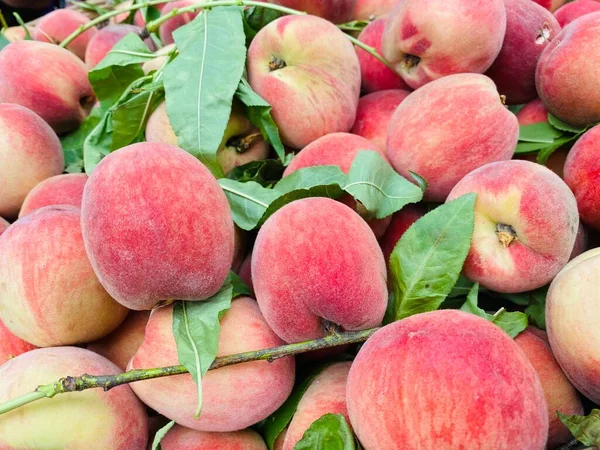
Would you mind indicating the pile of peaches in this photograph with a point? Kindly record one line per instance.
(466, 94)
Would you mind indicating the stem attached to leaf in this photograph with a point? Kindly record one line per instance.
(106, 382)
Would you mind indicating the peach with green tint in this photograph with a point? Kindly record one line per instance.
(181, 438)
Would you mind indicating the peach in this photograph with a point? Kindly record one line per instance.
(60, 93)
(3, 225)
(550, 5)
(90, 419)
(533, 112)
(582, 174)
(336, 11)
(49, 294)
(245, 271)
(242, 142)
(146, 235)
(308, 71)
(120, 345)
(162, 55)
(445, 379)
(278, 444)
(573, 10)
(526, 223)
(239, 248)
(64, 189)
(10, 345)
(180, 438)
(430, 136)
(529, 29)
(16, 33)
(57, 25)
(339, 279)
(560, 394)
(375, 75)
(371, 9)
(253, 390)
(103, 42)
(401, 221)
(167, 28)
(581, 242)
(325, 395)
(30, 152)
(566, 76)
(374, 113)
(426, 40)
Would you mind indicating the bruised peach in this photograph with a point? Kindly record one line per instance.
(64, 189)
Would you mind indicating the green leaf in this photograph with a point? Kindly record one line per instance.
(238, 285)
(97, 144)
(72, 143)
(196, 327)
(330, 432)
(529, 147)
(248, 201)
(201, 81)
(354, 25)
(539, 132)
(470, 305)
(586, 429)
(461, 288)
(258, 112)
(428, 259)
(310, 177)
(515, 108)
(266, 172)
(3, 41)
(276, 422)
(381, 190)
(536, 311)
(562, 126)
(160, 434)
(546, 152)
(256, 18)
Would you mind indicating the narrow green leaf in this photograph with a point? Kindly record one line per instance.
(259, 114)
(536, 311)
(196, 327)
(266, 172)
(3, 41)
(238, 285)
(310, 177)
(586, 429)
(248, 201)
(470, 305)
(354, 25)
(381, 190)
(461, 288)
(562, 126)
(330, 432)
(539, 132)
(160, 434)
(428, 259)
(201, 82)
(529, 147)
(97, 144)
(256, 18)
(72, 143)
(546, 152)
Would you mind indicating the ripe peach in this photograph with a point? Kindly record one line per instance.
(181, 438)
(426, 40)
(64, 189)
(239, 248)
(245, 271)
(529, 29)
(162, 55)
(550, 5)
(581, 242)
(253, 390)
(55, 26)
(340, 279)
(582, 174)
(560, 394)
(103, 42)
(336, 11)
(371, 9)
(526, 222)
(533, 112)
(374, 113)
(445, 379)
(401, 221)
(145, 235)
(3, 225)
(567, 77)
(167, 28)
(16, 33)
(375, 75)
(120, 345)
(309, 73)
(325, 395)
(60, 93)
(90, 419)
(49, 294)
(430, 136)
(572, 315)
(30, 152)
(10, 345)
(573, 10)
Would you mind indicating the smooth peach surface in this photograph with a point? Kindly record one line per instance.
(526, 222)
(120, 345)
(64, 189)
(167, 28)
(180, 438)
(156, 226)
(560, 394)
(572, 314)
(92, 419)
(375, 75)
(234, 397)
(308, 71)
(103, 42)
(582, 174)
(430, 136)
(57, 25)
(340, 278)
(374, 113)
(245, 271)
(325, 395)
(371, 9)
(49, 294)
(30, 152)
(445, 380)
(401, 221)
(428, 39)
(336, 11)
(533, 112)
(550, 5)
(10, 345)
(47, 79)
(573, 10)
(529, 29)
(567, 75)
